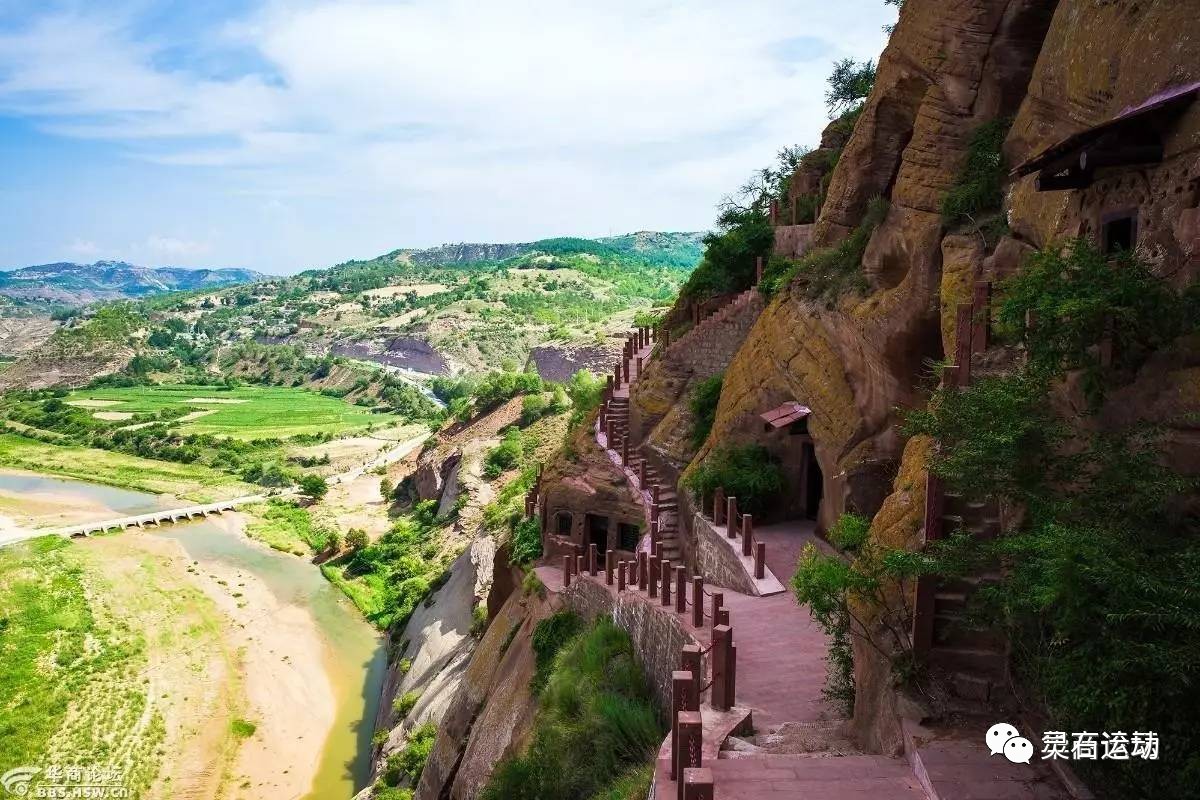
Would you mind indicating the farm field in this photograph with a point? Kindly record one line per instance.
(248, 412)
(193, 482)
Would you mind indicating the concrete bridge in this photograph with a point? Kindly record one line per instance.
(164, 517)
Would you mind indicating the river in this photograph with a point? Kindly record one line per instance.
(355, 658)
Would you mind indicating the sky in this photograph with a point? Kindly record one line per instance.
(282, 135)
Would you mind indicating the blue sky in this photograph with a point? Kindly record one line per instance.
(283, 135)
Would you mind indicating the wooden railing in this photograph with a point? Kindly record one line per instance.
(738, 525)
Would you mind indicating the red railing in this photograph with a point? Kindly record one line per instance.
(737, 525)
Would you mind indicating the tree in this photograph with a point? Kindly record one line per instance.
(357, 539)
(386, 487)
(314, 486)
(850, 84)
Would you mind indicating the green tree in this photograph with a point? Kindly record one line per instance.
(314, 486)
(849, 85)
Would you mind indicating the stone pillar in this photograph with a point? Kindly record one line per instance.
(731, 514)
(718, 601)
(610, 561)
(722, 639)
(579, 564)
(643, 571)
(747, 534)
(567, 562)
(683, 699)
(719, 506)
(665, 571)
(698, 784)
(760, 560)
(691, 661)
(689, 743)
(621, 576)
(697, 601)
(681, 589)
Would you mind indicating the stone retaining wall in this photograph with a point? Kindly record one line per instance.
(715, 559)
(659, 634)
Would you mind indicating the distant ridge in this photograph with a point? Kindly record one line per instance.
(77, 284)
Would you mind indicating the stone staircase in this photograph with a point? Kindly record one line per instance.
(973, 659)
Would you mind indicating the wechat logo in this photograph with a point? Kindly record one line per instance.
(1004, 739)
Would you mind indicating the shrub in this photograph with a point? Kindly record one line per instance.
(406, 702)
(357, 539)
(533, 408)
(849, 85)
(314, 486)
(703, 403)
(527, 541)
(479, 620)
(595, 721)
(748, 472)
(979, 188)
(243, 729)
(408, 764)
(729, 256)
(585, 391)
(503, 456)
(829, 273)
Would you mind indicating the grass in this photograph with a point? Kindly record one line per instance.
(243, 729)
(191, 481)
(595, 721)
(284, 526)
(257, 412)
(80, 634)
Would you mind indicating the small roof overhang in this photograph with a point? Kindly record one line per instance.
(1131, 137)
(787, 413)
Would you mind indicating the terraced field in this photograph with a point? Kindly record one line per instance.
(249, 412)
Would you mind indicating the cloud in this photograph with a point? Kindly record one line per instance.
(84, 248)
(465, 106)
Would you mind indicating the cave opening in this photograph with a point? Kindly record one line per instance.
(597, 531)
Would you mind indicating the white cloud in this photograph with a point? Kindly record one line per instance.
(469, 106)
(84, 248)
(172, 247)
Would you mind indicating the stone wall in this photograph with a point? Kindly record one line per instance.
(715, 559)
(792, 241)
(658, 633)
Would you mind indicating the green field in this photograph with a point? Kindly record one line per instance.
(191, 481)
(248, 412)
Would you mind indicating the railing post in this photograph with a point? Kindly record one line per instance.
(625, 448)
(758, 270)
(621, 576)
(579, 564)
(747, 533)
(731, 517)
(567, 562)
(681, 701)
(643, 571)
(642, 473)
(719, 506)
(610, 560)
(652, 586)
(680, 589)
(697, 601)
(721, 617)
(698, 784)
(691, 661)
(592, 559)
(722, 638)
(665, 571)
(690, 736)
(718, 600)
(760, 560)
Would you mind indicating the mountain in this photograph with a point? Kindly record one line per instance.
(78, 284)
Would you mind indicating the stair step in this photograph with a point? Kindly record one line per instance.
(945, 602)
(982, 662)
(952, 631)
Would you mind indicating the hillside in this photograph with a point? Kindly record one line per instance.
(78, 284)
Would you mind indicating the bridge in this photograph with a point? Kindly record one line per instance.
(164, 517)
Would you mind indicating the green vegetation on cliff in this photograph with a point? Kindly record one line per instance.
(597, 729)
(1098, 595)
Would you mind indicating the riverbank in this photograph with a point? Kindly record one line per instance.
(233, 671)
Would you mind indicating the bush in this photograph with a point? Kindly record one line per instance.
(830, 273)
(533, 408)
(596, 720)
(729, 256)
(849, 85)
(748, 472)
(979, 188)
(527, 541)
(408, 764)
(585, 391)
(406, 703)
(314, 486)
(357, 539)
(504, 456)
(703, 404)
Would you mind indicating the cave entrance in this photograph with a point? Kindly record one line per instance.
(630, 535)
(597, 531)
(812, 482)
